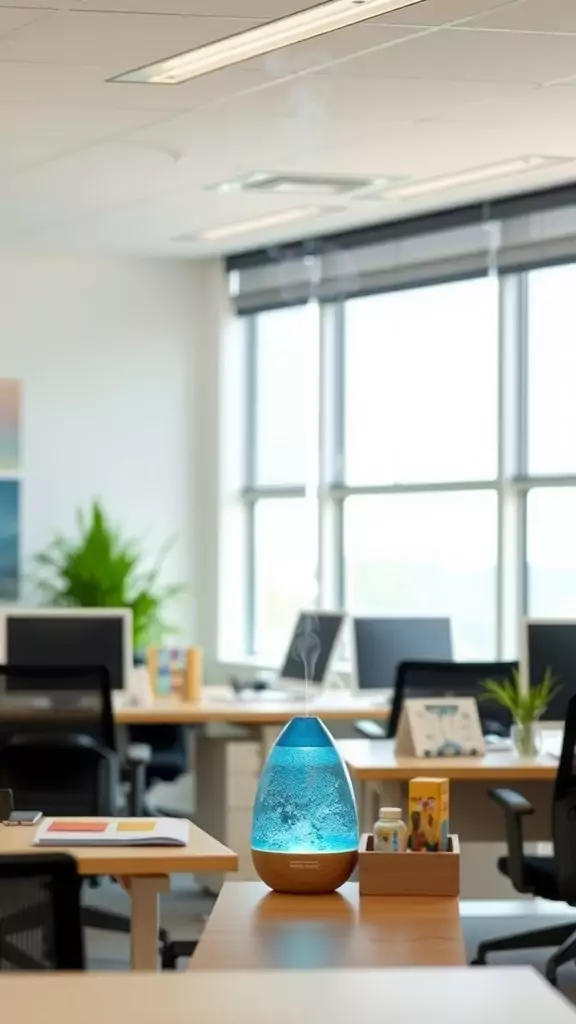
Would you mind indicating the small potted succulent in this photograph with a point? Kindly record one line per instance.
(525, 704)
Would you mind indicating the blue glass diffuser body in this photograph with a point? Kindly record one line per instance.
(305, 824)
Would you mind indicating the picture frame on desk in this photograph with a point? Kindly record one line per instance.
(440, 727)
(176, 672)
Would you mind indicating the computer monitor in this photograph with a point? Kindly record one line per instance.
(420, 679)
(382, 644)
(66, 637)
(312, 647)
(551, 644)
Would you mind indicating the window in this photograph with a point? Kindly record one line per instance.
(552, 371)
(551, 551)
(286, 395)
(285, 562)
(446, 489)
(282, 471)
(421, 379)
(426, 554)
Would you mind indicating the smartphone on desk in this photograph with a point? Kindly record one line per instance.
(24, 818)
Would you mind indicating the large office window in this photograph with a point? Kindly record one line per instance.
(551, 442)
(414, 452)
(281, 471)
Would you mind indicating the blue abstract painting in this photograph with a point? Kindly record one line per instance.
(9, 539)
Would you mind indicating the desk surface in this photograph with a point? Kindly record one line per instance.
(253, 928)
(218, 705)
(376, 760)
(499, 995)
(202, 854)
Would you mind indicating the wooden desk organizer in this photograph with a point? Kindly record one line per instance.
(408, 874)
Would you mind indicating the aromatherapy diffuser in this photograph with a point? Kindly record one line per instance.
(305, 826)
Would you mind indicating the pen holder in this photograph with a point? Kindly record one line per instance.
(408, 874)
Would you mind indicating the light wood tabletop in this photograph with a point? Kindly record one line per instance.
(202, 854)
(253, 928)
(376, 761)
(499, 995)
(218, 704)
(143, 871)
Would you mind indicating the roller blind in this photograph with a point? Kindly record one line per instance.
(332, 268)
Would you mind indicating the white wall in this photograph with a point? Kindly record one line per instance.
(106, 352)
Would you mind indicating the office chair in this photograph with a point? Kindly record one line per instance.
(58, 753)
(447, 678)
(550, 878)
(40, 927)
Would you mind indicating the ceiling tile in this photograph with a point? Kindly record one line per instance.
(538, 109)
(439, 12)
(17, 154)
(531, 16)
(433, 148)
(12, 19)
(317, 98)
(125, 40)
(74, 124)
(76, 87)
(467, 55)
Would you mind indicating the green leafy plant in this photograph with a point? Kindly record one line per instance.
(525, 706)
(100, 568)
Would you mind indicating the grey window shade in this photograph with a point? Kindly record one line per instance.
(518, 243)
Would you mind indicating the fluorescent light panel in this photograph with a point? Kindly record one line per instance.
(255, 42)
(473, 176)
(270, 220)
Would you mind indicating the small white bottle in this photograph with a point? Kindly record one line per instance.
(390, 832)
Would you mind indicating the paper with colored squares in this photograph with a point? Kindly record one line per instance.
(112, 832)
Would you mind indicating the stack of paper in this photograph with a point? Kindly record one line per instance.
(113, 832)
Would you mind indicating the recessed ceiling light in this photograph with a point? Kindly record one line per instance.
(255, 42)
(270, 220)
(473, 176)
(304, 184)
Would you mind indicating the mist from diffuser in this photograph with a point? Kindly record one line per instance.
(305, 825)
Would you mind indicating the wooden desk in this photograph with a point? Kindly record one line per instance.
(218, 704)
(381, 778)
(251, 927)
(499, 995)
(144, 872)
(376, 761)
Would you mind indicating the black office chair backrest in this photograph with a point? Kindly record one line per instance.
(57, 740)
(564, 811)
(40, 927)
(66, 700)
(444, 679)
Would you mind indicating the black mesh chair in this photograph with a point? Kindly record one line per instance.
(452, 678)
(58, 753)
(550, 878)
(40, 926)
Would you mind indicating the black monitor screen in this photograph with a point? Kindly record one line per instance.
(383, 644)
(67, 640)
(553, 645)
(312, 646)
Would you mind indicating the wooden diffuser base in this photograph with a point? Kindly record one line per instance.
(304, 872)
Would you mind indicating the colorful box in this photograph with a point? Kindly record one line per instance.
(429, 813)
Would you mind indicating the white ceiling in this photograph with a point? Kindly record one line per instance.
(87, 165)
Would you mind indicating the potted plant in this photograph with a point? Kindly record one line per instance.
(101, 568)
(525, 704)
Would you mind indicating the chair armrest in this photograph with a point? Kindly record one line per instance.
(138, 757)
(369, 730)
(515, 808)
